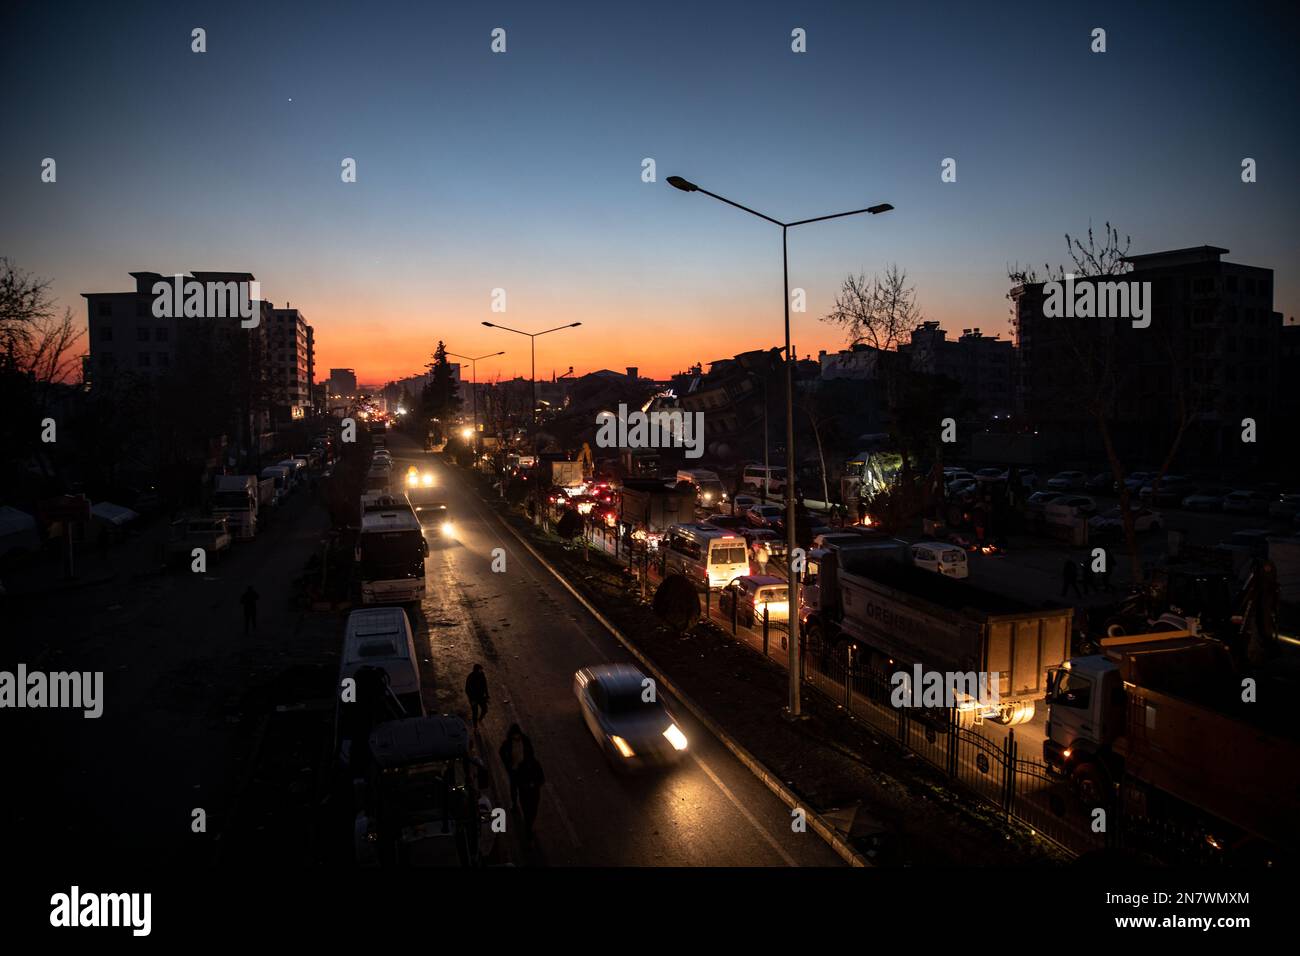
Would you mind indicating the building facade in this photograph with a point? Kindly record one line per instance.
(1208, 360)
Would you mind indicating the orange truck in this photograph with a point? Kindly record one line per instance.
(1163, 726)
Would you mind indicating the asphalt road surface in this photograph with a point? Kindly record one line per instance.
(531, 635)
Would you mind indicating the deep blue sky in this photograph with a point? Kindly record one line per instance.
(522, 170)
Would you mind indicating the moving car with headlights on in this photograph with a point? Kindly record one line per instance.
(623, 712)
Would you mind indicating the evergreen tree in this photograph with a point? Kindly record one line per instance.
(440, 398)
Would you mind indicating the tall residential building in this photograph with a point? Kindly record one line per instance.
(210, 348)
(1212, 349)
(343, 383)
(289, 364)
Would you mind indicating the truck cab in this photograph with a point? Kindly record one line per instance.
(1085, 699)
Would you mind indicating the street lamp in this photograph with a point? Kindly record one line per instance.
(533, 344)
(685, 185)
(473, 385)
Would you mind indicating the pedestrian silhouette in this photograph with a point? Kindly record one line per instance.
(476, 689)
(513, 750)
(249, 601)
(530, 778)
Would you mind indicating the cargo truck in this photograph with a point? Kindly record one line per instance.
(1159, 720)
(236, 498)
(648, 509)
(898, 617)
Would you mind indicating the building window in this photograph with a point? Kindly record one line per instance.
(164, 359)
(142, 360)
(142, 333)
(160, 334)
(106, 333)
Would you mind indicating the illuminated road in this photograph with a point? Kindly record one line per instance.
(531, 635)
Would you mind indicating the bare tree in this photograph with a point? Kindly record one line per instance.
(880, 311)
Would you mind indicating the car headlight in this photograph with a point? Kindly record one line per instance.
(447, 527)
(623, 747)
(675, 737)
(427, 480)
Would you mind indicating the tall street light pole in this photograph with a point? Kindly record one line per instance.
(533, 343)
(686, 185)
(473, 387)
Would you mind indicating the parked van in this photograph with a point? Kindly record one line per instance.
(764, 477)
(282, 475)
(946, 559)
(709, 556)
(382, 637)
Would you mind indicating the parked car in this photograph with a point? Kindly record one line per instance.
(632, 731)
(1112, 521)
(1286, 506)
(742, 503)
(1040, 499)
(1028, 479)
(940, 558)
(764, 516)
(1206, 498)
(1067, 481)
(955, 475)
(1137, 479)
(1082, 504)
(1246, 502)
(989, 474)
(962, 488)
(1101, 483)
(1173, 489)
(754, 594)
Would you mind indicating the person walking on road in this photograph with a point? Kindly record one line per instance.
(249, 601)
(530, 778)
(1070, 578)
(476, 689)
(514, 749)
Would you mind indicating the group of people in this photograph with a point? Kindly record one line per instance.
(1071, 575)
(516, 753)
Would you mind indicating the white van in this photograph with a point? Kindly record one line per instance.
(709, 556)
(946, 559)
(382, 637)
(764, 477)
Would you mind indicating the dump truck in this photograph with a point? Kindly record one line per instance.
(648, 509)
(1168, 724)
(899, 617)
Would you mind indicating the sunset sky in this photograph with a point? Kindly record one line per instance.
(523, 170)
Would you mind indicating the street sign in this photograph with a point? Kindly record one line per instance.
(64, 508)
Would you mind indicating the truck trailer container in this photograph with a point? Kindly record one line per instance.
(900, 617)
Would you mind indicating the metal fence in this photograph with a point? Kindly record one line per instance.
(1017, 786)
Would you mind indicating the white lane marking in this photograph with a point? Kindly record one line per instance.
(762, 831)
